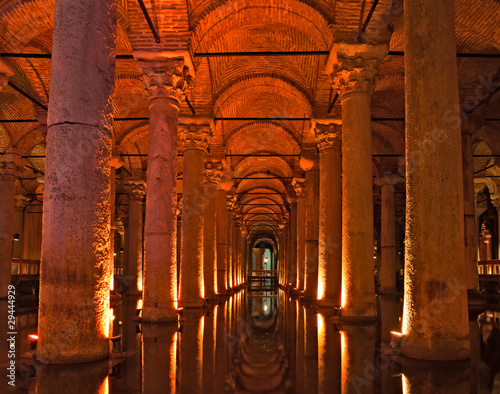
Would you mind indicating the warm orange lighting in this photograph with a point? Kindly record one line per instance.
(345, 361)
(172, 372)
(112, 284)
(397, 334)
(104, 389)
(139, 283)
(33, 337)
(405, 384)
(139, 304)
(321, 351)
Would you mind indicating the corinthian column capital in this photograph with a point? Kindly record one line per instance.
(136, 189)
(167, 78)
(195, 136)
(299, 185)
(328, 134)
(212, 172)
(354, 67)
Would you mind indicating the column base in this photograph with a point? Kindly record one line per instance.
(435, 348)
(324, 303)
(192, 304)
(359, 314)
(156, 315)
(75, 356)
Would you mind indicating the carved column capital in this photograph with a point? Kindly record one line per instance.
(354, 68)
(308, 160)
(167, 78)
(136, 189)
(11, 165)
(328, 134)
(212, 172)
(299, 185)
(195, 136)
(391, 179)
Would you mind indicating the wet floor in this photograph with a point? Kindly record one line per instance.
(258, 343)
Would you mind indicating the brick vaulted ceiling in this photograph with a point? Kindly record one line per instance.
(249, 86)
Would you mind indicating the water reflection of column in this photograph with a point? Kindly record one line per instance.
(329, 357)
(390, 313)
(299, 375)
(474, 356)
(220, 348)
(131, 345)
(311, 350)
(191, 352)
(209, 346)
(159, 357)
(358, 356)
(81, 378)
(423, 377)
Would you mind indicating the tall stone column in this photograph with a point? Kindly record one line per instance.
(328, 136)
(435, 316)
(115, 163)
(196, 138)
(11, 165)
(354, 69)
(300, 191)
(136, 190)
(388, 266)
(74, 312)
(20, 203)
(212, 178)
(222, 231)
(292, 200)
(165, 81)
(309, 163)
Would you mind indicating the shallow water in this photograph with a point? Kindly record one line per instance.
(260, 342)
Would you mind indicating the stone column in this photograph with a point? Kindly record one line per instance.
(212, 178)
(354, 69)
(11, 165)
(300, 191)
(222, 231)
(115, 163)
(165, 81)
(388, 266)
(136, 190)
(196, 138)
(435, 317)
(74, 312)
(292, 200)
(309, 163)
(328, 136)
(20, 203)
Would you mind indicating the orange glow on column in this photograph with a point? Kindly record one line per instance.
(343, 300)
(344, 374)
(405, 384)
(321, 281)
(172, 373)
(104, 389)
(112, 284)
(139, 282)
(321, 350)
(139, 304)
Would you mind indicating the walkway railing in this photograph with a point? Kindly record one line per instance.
(489, 275)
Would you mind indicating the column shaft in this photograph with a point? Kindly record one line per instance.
(330, 216)
(312, 229)
(73, 319)
(388, 266)
(210, 238)
(135, 242)
(191, 290)
(301, 236)
(160, 228)
(222, 229)
(435, 317)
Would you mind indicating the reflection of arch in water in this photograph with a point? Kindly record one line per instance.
(260, 362)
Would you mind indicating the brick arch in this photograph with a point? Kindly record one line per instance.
(235, 15)
(261, 136)
(259, 165)
(264, 95)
